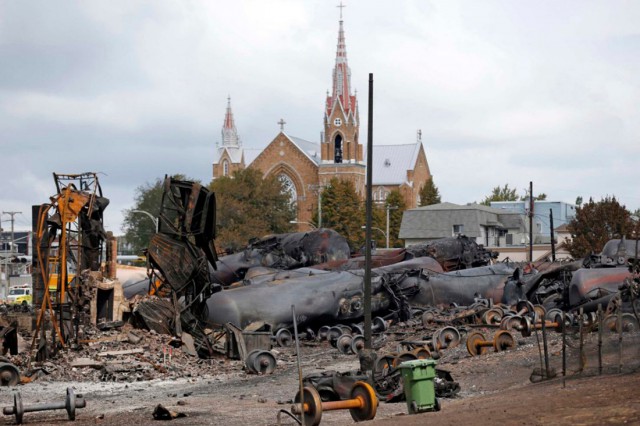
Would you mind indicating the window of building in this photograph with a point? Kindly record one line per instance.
(225, 168)
(337, 122)
(458, 229)
(380, 194)
(337, 157)
(289, 187)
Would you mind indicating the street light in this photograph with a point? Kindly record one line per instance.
(305, 223)
(387, 234)
(383, 233)
(152, 217)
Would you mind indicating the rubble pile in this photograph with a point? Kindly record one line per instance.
(123, 355)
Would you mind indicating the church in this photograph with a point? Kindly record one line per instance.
(306, 167)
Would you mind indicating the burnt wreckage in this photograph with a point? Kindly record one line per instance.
(70, 289)
(583, 284)
(313, 271)
(183, 263)
(309, 269)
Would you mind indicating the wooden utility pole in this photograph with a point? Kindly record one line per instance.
(553, 242)
(367, 249)
(530, 221)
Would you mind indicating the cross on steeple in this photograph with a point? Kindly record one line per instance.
(341, 6)
(282, 123)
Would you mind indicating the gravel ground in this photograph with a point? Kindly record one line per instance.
(494, 388)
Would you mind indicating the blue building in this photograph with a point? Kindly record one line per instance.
(542, 210)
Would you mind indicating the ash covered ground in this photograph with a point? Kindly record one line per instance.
(126, 381)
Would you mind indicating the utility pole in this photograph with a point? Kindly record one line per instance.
(12, 222)
(530, 221)
(367, 249)
(318, 188)
(5, 261)
(553, 242)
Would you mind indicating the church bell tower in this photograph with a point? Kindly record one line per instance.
(341, 120)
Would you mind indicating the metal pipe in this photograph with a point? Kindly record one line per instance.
(295, 333)
(582, 360)
(600, 325)
(546, 350)
(564, 346)
(620, 337)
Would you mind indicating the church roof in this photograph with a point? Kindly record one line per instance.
(235, 154)
(311, 149)
(251, 154)
(391, 162)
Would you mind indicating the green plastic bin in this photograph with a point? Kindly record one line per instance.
(419, 389)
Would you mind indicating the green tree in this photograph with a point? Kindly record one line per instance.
(540, 197)
(138, 227)
(429, 194)
(501, 194)
(343, 211)
(597, 223)
(250, 206)
(397, 206)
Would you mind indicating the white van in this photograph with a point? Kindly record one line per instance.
(20, 295)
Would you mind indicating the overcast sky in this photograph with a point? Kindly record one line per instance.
(503, 91)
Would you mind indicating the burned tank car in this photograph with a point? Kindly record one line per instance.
(319, 296)
(615, 253)
(282, 251)
(501, 282)
(591, 284)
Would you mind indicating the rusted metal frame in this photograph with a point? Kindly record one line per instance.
(46, 300)
(96, 189)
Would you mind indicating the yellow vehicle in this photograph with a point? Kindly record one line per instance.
(20, 295)
(53, 282)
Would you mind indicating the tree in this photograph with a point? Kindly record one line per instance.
(501, 194)
(343, 211)
(250, 206)
(429, 194)
(597, 223)
(395, 201)
(509, 194)
(138, 227)
(540, 197)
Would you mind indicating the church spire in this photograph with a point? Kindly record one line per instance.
(341, 123)
(341, 91)
(229, 133)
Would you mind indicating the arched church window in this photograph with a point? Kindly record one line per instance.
(380, 194)
(289, 188)
(338, 149)
(225, 168)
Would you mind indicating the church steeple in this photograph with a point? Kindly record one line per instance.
(341, 120)
(229, 132)
(341, 91)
